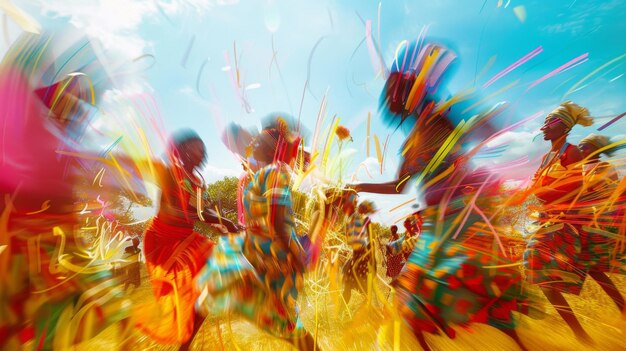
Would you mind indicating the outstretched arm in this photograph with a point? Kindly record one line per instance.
(212, 217)
(392, 187)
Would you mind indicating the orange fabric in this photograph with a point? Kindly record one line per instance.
(174, 256)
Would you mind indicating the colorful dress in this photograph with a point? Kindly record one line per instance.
(395, 259)
(602, 209)
(49, 275)
(553, 256)
(456, 274)
(174, 255)
(449, 281)
(269, 299)
(362, 262)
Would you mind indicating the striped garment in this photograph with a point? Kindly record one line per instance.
(269, 300)
(356, 231)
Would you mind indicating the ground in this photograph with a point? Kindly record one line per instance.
(367, 328)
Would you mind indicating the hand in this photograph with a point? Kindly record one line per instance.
(221, 228)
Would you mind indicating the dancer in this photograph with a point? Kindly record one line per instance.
(174, 252)
(271, 244)
(49, 275)
(553, 255)
(413, 228)
(602, 206)
(395, 261)
(362, 263)
(447, 280)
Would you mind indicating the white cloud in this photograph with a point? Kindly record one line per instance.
(213, 174)
(392, 208)
(519, 146)
(115, 22)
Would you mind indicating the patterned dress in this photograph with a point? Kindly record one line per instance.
(270, 299)
(395, 260)
(362, 262)
(174, 255)
(602, 208)
(553, 256)
(449, 282)
(49, 275)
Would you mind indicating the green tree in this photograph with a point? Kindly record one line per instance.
(223, 195)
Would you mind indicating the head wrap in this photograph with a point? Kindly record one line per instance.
(571, 114)
(182, 136)
(598, 141)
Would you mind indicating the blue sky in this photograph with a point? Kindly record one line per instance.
(341, 68)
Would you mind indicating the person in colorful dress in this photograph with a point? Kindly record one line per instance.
(458, 273)
(553, 254)
(362, 263)
(269, 299)
(174, 252)
(602, 206)
(55, 291)
(413, 228)
(395, 261)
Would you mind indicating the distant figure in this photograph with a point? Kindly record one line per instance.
(395, 260)
(362, 262)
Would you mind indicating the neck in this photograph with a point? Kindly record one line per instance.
(189, 169)
(558, 143)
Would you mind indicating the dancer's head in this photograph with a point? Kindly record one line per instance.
(559, 122)
(394, 232)
(408, 226)
(417, 217)
(592, 143)
(367, 208)
(187, 147)
(276, 143)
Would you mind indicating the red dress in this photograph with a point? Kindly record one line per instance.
(553, 254)
(174, 256)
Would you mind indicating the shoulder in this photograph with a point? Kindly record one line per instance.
(571, 154)
(278, 172)
(606, 169)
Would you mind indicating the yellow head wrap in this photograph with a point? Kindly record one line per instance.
(599, 141)
(571, 114)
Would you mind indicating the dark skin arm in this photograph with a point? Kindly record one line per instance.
(392, 187)
(211, 217)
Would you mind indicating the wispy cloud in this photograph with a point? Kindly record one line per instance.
(115, 22)
(213, 174)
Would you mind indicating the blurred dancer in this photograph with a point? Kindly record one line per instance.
(446, 280)
(553, 254)
(271, 244)
(174, 252)
(362, 263)
(56, 290)
(602, 206)
(395, 261)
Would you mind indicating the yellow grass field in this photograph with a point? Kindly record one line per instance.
(367, 327)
